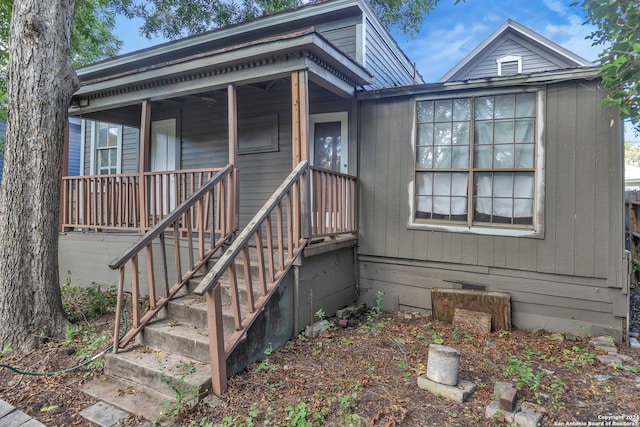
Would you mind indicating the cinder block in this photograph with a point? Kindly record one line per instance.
(509, 399)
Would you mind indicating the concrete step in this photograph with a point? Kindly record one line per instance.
(164, 372)
(177, 337)
(193, 310)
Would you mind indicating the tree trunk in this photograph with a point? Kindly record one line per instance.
(41, 82)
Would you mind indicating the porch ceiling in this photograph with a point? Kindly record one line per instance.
(256, 61)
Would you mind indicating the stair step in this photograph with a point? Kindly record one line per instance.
(193, 309)
(158, 369)
(181, 338)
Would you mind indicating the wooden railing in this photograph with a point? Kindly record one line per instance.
(333, 203)
(211, 207)
(119, 202)
(282, 211)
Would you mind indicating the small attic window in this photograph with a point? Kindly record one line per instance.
(509, 65)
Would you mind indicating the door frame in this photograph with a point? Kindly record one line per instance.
(343, 118)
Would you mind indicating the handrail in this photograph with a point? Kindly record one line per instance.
(168, 220)
(214, 275)
(288, 207)
(188, 227)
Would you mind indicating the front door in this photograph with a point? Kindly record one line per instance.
(329, 141)
(164, 156)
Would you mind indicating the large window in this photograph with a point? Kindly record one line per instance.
(476, 161)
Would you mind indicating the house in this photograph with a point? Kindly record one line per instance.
(298, 162)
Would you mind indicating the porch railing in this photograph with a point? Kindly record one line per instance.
(211, 207)
(333, 204)
(120, 202)
(254, 250)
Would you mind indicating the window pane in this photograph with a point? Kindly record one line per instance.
(526, 105)
(442, 184)
(424, 157)
(442, 134)
(113, 137)
(443, 110)
(503, 156)
(504, 106)
(503, 185)
(483, 133)
(461, 110)
(442, 206)
(525, 129)
(425, 134)
(460, 133)
(113, 157)
(103, 158)
(459, 184)
(523, 184)
(502, 208)
(503, 132)
(103, 137)
(483, 156)
(483, 209)
(424, 183)
(484, 108)
(460, 157)
(483, 184)
(424, 207)
(425, 111)
(459, 207)
(442, 157)
(523, 211)
(524, 155)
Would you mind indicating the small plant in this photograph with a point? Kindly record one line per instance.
(374, 322)
(6, 350)
(557, 389)
(524, 374)
(82, 303)
(320, 314)
(299, 415)
(87, 341)
(437, 338)
(185, 394)
(265, 365)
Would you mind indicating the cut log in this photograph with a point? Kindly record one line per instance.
(497, 304)
(476, 321)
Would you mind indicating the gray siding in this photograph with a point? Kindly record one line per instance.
(533, 60)
(388, 69)
(130, 143)
(582, 249)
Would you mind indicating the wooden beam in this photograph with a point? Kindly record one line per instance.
(295, 118)
(143, 164)
(232, 117)
(303, 99)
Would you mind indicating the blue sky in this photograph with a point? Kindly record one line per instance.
(451, 31)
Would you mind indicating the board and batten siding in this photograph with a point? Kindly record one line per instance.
(572, 277)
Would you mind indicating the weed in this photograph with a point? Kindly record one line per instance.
(437, 338)
(320, 314)
(82, 303)
(299, 415)
(524, 374)
(467, 337)
(265, 365)
(578, 356)
(455, 333)
(87, 341)
(6, 350)
(374, 323)
(369, 366)
(185, 394)
(557, 389)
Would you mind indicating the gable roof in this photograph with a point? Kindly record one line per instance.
(510, 41)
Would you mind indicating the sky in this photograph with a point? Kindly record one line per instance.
(451, 31)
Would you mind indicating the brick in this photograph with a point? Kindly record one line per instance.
(509, 399)
(343, 323)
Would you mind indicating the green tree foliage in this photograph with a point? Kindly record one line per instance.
(91, 37)
(632, 154)
(617, 25)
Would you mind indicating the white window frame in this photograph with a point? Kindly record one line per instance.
(507, 59)
(343, 118)
(537, 228)
(93, 158)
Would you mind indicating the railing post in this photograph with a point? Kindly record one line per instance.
(145, 132)
(216, 341)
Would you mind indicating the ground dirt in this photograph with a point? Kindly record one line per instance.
(352, 376)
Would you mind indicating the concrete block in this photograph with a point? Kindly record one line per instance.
(443, 364)
(609, 359)
(14, 419)
(351, 311)
(457, 393)
(509, 399)
(5, 408)
(33, 423)
(499, 387)
(530, 415)
(317, 328)
(103, 414)
(494, 412)
(634, 343)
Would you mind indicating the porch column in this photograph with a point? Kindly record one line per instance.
(64, 172)
(233, 209)
(143, 162)
(300, 147)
